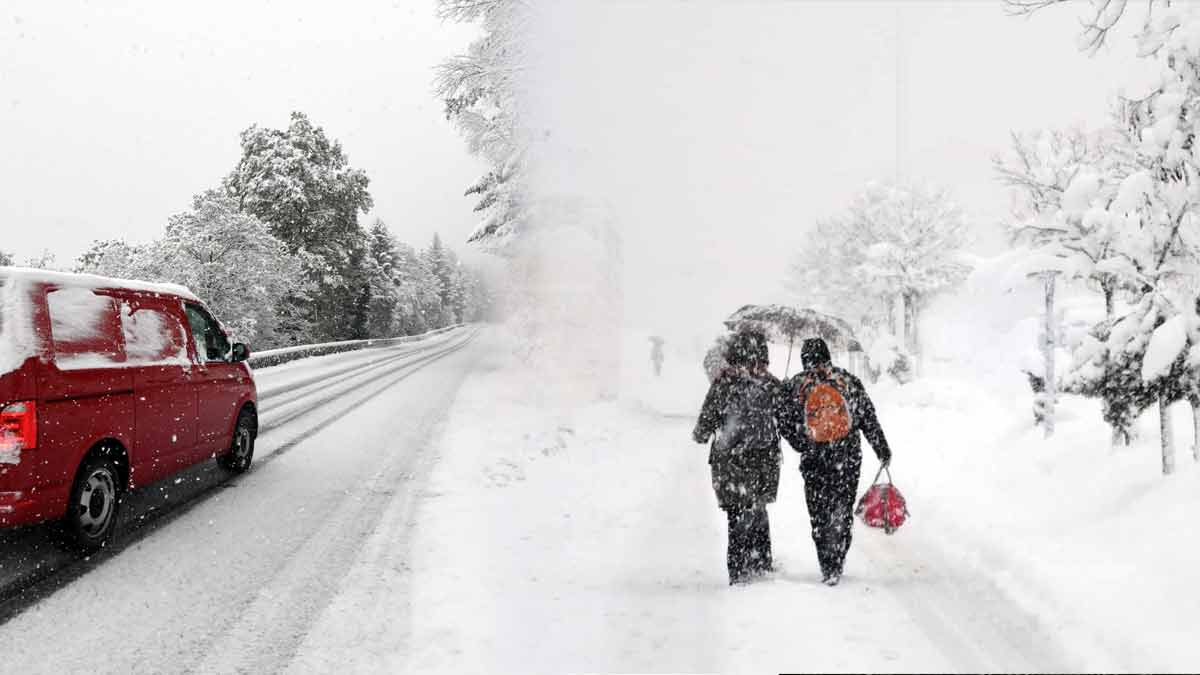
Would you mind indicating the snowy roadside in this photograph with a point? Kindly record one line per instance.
(1093, 542)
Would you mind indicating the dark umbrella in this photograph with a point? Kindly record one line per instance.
(781, 323)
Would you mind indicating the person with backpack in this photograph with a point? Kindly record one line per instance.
(825, 409)
(741, 409)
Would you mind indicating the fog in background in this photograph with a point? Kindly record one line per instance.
(718, 132)
(113, 114)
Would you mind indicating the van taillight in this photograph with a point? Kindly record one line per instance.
(18, 426)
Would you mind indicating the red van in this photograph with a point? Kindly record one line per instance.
(108, 384)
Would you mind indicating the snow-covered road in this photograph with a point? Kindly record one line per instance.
(219, 575)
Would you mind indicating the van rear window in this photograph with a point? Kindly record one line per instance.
(85, 328)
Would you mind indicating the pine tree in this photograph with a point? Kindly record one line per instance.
(5, 259)
(441, 265)
(386, 305)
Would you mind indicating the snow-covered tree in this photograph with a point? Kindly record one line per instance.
(914, 235)
(5, 259)
(819, 276)
(385, 281)
(443, 265)
(299, 181)
(1153, 213)
(1061, 183)
(480, 90)
(232, 260)
(895, 244)
(228, 258)
(46, 260)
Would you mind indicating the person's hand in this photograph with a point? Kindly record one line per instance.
(886, 462)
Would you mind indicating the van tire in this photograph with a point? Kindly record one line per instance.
(241, 447)
(94, 505)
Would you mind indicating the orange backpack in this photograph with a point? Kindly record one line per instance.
(826, 416)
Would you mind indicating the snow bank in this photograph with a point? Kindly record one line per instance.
(274, 357)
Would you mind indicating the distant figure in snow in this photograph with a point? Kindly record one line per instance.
(741, 409)
(656, 354)
(825, 408)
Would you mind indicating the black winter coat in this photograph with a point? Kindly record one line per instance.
(844, 452)
(742, 408)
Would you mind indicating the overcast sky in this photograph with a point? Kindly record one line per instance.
(720, 131)
(114, 113)
(716, 131)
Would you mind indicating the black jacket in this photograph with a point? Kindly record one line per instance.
(862, 419)
(745, 456)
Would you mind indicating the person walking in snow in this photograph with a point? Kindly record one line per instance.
(825, 409)
(742, 409)
(656, 354)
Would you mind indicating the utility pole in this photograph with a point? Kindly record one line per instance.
(901, 121)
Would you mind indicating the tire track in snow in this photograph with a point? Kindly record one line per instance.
(967, 615)
(268, 629)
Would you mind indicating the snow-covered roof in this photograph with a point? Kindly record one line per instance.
(70, 279)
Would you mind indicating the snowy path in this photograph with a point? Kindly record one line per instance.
(245, 566)
(591, 542)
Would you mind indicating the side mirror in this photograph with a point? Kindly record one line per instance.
(240, 352)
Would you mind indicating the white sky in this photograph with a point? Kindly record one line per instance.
(720, 131)
(717, 131)
(114, 113)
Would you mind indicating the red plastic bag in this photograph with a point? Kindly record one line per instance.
(882, 505)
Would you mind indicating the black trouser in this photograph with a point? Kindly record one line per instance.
(749, 541)
(829, 490)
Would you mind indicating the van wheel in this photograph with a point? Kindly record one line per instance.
(93, 506)
(241, 449)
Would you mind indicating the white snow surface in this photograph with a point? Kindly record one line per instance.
(1166, 344)
(557, 538)
(1081, 192)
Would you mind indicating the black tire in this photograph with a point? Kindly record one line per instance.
(241, 447)
(94, 505)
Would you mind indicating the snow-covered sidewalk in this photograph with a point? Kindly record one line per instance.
(551, 537)
(592, 543)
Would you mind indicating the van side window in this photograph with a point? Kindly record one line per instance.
(211, 343)
(85, 329)
(152, 335)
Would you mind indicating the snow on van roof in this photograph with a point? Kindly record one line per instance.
(75, 280)
(17, 339)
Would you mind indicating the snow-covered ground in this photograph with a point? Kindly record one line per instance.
(559, 538)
